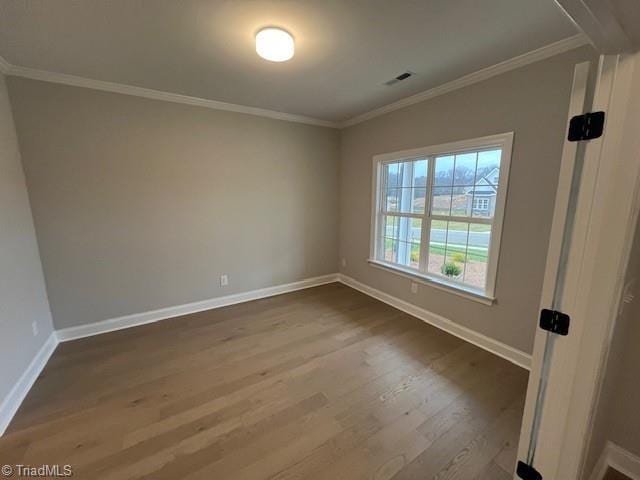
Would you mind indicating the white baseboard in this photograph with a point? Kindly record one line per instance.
(618, 458)
(127, 321)
(623, 461)
(505, 351)
(19, 391)
(601, 466)
(498, 348)
(11, 404)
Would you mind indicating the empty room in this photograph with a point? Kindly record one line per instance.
(319, 239)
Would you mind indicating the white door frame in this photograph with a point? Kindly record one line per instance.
(605, 217)
(600, 22)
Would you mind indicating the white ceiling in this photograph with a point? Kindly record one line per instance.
(345, 49)
(627, 12)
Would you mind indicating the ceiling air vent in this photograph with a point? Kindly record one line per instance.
(399, 78)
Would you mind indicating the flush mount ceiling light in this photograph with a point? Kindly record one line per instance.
(274, 44)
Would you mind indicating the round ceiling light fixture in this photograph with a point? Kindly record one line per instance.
(274, 44)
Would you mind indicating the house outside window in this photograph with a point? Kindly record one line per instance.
(481, 197)
(437, 212)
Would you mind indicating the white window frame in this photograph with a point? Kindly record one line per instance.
(480, 203)
(504, 141)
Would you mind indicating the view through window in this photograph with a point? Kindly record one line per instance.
(437, 214)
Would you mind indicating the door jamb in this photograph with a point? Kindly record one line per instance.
(606, 215)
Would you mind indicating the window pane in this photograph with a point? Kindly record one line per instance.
(405, 200)
(420, 173)
(441, 201)
(484, 202)
(489, 165)
(437, 242)
(392, 199)
(459, 251)
(408, 229)
(409, 254)
(418, 199)
(416, 230)
(405, 176)
(461, 202)
(405, 190)
(456, 250)
(443, 175)
(390, 236)
(481, 202)
(390, 250)
(409, 247)
(447, 249)
(391, 225)
(391, 174)
(402, 240)
(485, 189)
(465, 170)
(405, 229)
(475, 273)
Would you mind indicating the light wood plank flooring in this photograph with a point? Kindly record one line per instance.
(324, 383)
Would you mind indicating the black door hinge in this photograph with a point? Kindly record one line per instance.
(527, 472)
(554, 321)
(586, 127)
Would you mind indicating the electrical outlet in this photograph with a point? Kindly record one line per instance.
(34, 328)
(224, 280)
(344, 262)
(414, 287)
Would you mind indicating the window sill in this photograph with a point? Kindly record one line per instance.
(469, 294)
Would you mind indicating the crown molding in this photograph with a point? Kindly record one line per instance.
(547, 51)
(516, 62)
(73, 80)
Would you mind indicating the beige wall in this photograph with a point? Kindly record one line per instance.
(618, 415)
(23, 298)
(142, 204)
(532, 102)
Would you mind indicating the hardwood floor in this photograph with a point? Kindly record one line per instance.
(612, 474)
(324, 383)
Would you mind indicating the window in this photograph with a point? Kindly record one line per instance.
(438, 212)
(481, 204)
